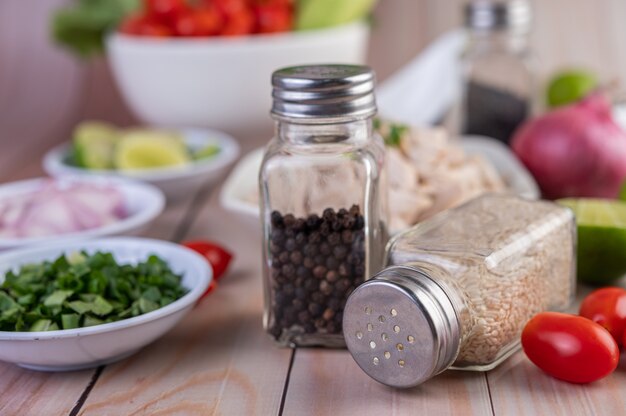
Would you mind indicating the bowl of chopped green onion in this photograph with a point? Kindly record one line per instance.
(77, 305)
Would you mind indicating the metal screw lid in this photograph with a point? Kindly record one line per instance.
(401, 328)
(325, 92)
(498, 15)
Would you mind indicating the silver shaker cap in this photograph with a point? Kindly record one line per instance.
(498, 14)
(401, 328)
(326, 92)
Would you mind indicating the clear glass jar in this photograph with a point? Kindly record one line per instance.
(322, 196)
(459, 288)
(497, 89)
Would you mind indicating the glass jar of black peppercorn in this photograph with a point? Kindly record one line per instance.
(322, 200)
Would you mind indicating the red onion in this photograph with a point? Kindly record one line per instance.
(575, 151)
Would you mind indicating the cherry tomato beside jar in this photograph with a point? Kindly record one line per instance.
(570, 347)
(607, 307)
(217, 255)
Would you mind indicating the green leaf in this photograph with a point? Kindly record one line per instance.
(6, 302)
(41, 325)
(146, 305)
(101, 307)
(57, 297)
(70, 320)
(91, 321)
(80, 306)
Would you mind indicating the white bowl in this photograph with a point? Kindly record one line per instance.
(240, 191)
(176, 182)
(142, 202)
(220, 82)
(74, 349)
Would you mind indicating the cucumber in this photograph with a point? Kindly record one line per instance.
(94, 145)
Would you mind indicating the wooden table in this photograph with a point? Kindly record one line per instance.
(218, 361)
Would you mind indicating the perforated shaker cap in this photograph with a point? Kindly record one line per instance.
(323, 92)
(401, 327)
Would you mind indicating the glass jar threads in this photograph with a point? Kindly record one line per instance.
(322, 200)
(460, 287)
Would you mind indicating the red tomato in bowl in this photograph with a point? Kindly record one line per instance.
(607, 307)
(203, 21)
(273, 18)
(165, 10)
(241, 23)
(140, 25)
(570, 347)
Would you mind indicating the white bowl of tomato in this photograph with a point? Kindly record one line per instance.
(210, 65)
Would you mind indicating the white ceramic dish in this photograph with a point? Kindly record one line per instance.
(174, 182)
(220, 82)
(142, 202)
(242, 182)
(74, 349)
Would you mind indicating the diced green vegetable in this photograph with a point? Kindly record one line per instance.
(81, 290)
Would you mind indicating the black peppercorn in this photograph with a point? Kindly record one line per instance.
(303, 272)
(319, 272)
(296, 257)
(340, 252)
(334, 239)
(313, 221)
(332, 263)
(332, 276)
(325, 287)
(290, 244)
(301, 239)
(315, 309)
(276, 219)
(308, 263)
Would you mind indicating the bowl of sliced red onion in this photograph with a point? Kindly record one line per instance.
(45, 210)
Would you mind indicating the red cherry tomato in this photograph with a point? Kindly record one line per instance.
(229, 7)
(209, 21)
(570, 347)
(199, 22)
(607, 307)
(165, 10)
(144, 26)
(238, 24)
(273, 18)
(218, 256)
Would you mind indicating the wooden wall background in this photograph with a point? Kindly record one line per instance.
(44, 91)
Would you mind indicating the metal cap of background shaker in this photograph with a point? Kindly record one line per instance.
(401, 327)
(327, 92)
(498, 14)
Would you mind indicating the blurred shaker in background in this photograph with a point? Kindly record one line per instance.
(497, 70)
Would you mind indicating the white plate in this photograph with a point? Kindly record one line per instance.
(142, 202)
(79, 348)
(175, 182)
(243, 180)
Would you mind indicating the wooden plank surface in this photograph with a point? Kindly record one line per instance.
(328, 382)
(218, 361)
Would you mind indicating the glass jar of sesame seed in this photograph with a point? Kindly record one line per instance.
(459, 288)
